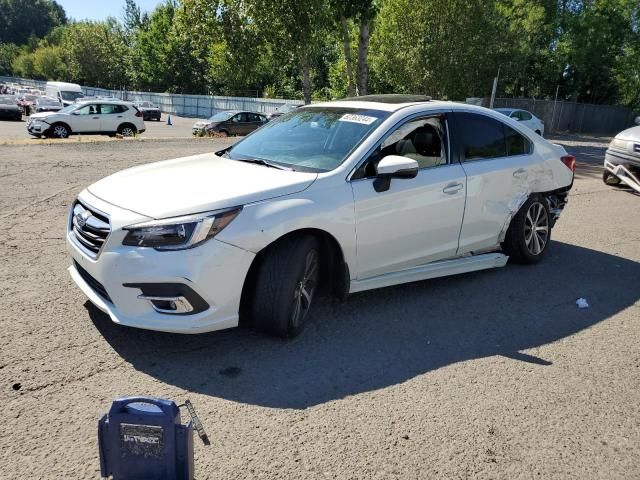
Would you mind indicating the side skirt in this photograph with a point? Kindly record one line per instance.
(431, 270)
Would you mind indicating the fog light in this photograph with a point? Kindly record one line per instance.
(170, 305)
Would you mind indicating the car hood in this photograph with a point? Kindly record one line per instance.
(196, 184)
(632, 133)
(40, 116)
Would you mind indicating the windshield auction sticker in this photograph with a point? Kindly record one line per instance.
(363, 119)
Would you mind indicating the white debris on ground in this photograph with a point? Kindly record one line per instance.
(582, 303)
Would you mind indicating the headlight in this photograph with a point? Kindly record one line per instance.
(179, 233)
(619, 144)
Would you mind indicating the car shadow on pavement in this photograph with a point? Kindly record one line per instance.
(384, 337)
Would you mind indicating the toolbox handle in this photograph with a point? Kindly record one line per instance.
(168, 407)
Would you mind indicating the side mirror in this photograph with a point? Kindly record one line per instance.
(394, 166)
(637, 120)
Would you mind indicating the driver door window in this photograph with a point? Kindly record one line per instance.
(423, 140)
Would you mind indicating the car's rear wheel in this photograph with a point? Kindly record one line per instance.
(610, 179)
(286, 285)
(529, 233)
(60, 130)
(127, 130)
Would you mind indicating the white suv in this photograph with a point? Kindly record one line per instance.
(97, 117)
(348, 195)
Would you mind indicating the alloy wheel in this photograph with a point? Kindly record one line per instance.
(60, 132)
(536, 228)
(127, 132)
(305, 289)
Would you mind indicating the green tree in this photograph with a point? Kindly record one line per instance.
(8, 53)
(22, 19)
(445, 48)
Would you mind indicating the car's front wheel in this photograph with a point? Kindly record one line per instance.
(610, 179)
(529, 233)
(60, 130)
(286, 285)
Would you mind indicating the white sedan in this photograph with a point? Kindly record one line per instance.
(527, 119)
(347, 196)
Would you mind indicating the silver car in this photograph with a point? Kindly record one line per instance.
(622, 160)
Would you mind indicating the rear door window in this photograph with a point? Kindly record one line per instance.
(480, 137)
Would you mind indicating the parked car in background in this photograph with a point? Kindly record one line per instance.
(45, 104)
(231, 122)
(9, 108)
(66, 93)
(622, 159)
(100, 117)
(525, 118)
(149, 111)
(281, 110)
(348, 196)
(25, 102)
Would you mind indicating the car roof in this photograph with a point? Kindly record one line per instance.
(387, 102)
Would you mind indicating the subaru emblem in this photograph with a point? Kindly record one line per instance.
(82, 217)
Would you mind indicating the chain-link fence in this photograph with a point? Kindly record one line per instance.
(558, 116)
(573, 117)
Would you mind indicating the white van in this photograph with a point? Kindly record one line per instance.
(67, 93)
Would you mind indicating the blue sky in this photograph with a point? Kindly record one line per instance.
(101, 9)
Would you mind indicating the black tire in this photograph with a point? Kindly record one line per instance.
(289, 269)
(529, 233)
(59, 130)
(610, 179)
(127, 130)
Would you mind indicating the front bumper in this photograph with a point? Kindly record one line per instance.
(38, 128)
(214, 271)
(624, 166)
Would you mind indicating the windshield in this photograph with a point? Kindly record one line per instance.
(221, 116)
(314, 139)
(71, 96)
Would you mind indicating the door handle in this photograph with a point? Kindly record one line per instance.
(521, 172)
(452, 188)
(119, 116)
(96, 118)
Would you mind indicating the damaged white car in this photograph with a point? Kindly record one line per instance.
(622, 160)
(348, 196)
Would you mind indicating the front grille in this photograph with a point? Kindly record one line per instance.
(89, 227)
(95, 285)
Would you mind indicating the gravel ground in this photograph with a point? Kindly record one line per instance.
(488, 375)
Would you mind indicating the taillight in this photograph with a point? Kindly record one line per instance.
(570, 162)
(139, 114)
